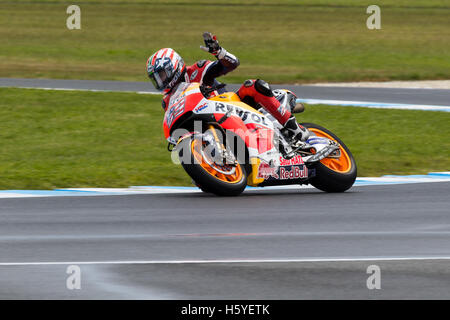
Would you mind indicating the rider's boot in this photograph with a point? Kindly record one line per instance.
(260, 91)
(298, 134)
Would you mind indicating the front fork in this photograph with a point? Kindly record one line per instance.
(223, 155)
(218, 143)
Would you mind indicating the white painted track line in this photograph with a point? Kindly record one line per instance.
(376, 105)
(344, 103)
(73, 192)
(125, 262)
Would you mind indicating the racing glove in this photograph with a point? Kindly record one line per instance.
(211, 44)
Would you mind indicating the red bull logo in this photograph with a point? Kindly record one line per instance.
(297, 172)
(265, 171)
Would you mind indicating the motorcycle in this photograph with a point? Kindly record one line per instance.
(225, 145)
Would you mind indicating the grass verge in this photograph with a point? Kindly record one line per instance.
(283, 41)
(55, 139)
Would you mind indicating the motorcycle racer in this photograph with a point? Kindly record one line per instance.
(166, 69)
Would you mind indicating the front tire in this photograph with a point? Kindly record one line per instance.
(206, 174)
(333, 175)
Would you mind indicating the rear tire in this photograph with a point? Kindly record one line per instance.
(328, 179)
(204, 179)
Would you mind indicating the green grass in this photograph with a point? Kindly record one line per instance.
(55, 139)
(282, 41)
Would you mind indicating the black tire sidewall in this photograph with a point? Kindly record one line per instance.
(329, 180)
(205, 180)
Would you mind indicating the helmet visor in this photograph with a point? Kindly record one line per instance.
(159, 79)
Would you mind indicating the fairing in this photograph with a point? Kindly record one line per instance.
(255, 129)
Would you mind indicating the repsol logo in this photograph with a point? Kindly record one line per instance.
(241, 113)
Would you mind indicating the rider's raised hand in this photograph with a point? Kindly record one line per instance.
(211, 43)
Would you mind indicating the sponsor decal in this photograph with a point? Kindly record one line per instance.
(241, 113)
(200, 108)
(265, 171)
(295, 160)
(193, 75)
(297, 172)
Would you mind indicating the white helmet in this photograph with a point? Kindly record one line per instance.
(165, 68)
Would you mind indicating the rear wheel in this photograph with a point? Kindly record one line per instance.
(333, 174)
(219, 178)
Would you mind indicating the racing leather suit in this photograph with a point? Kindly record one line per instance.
(253, 92)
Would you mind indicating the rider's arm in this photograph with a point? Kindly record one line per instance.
(227, 60)
(225, 63)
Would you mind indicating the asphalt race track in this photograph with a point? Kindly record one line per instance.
(438, 97)
(265, 244)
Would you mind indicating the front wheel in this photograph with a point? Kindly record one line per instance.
(219, 178)
(333, 174)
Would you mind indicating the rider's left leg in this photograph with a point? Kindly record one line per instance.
(260, 91)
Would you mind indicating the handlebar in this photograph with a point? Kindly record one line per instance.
(206, 90)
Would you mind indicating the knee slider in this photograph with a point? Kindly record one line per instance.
(263, 87)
